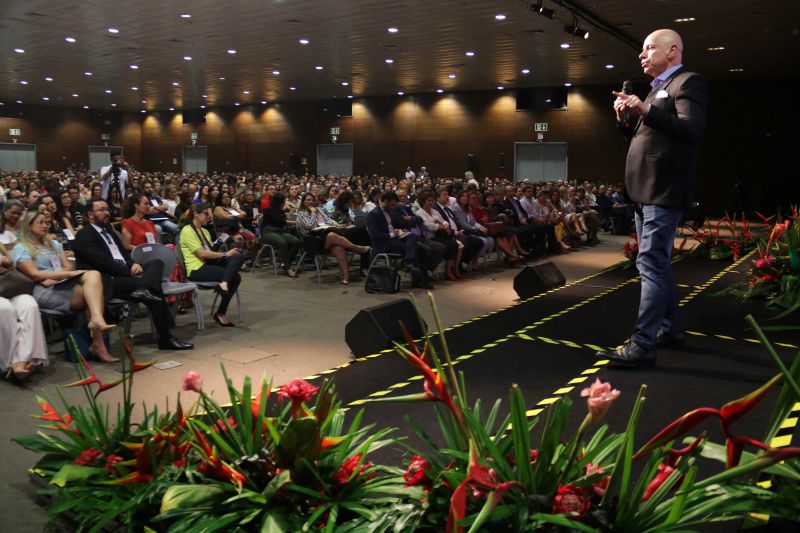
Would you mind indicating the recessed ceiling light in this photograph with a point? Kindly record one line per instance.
(187, 58)
(237, 104)
(186, 16)
(276, 72)
(400, 93)
(440, 91)
(246, 92)
(389, 61)
(565, 45)
(87, 73)
(345, 84)
(113, 105)
(108, 91)
(204, 96)
(500, 16)
(19, 101)
(19, 50)
(303, 41)
(134, 88)
(263, 102)
(470, 54)
(392, 29)
(143, 111)
(75, 95)
(202, 107)
(568, 84)
(222, 77)
(48, 78)
(686, 19)
(451, 76)
(350, 96)
(45, 98)
(231, 51)
(735, 70)
(69, 39)
(500, 87)
(292, 88)
(172, 109)
(716, 48)
(134, 67)
(144, 101)
(113, 30)
(318, 67)
(23, 82)
(526, 71)
(609, 66)
(85, 107)
(175, 83)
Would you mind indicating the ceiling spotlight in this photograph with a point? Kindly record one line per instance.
(564, 45)
(686, 19)
(20, 101)
(48, 78)
(500, 87)
(263, 102)
(526, 71)
(108, 91)
(113, 30)
(292, 88)
(237, 104)
(440, 91)
(45, 98)
(175, 83)
(143, 111)
(392, 30)
(568, 84)
(113, 105)
(318, 67)
(345, 84)
(134, 67)
(245, 92)
(69, 39)
(735, 70)
(75, 95)
(303, 41)
(400, 93)
(19, 50)
(231, 51)
(451, 76)
(609, 66)
(85, 107)
(172, 109)
(276, 72)
(186, 16)
(203, 96)
(202, 107)
(574, 29)
(716, 48)
(350, 96)
(23, 82)
(470, 54)
(134, 88)
(543, 11)
(143, 101)
(389, 61)
(500, 16)
(187, 58)
(87, 73)
(222, 77)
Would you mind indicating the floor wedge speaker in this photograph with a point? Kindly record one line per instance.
(376, 328)
(533, 280)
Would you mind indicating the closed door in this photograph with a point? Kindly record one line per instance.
(540, 161)
(17, 156)
(100, 156)
(195, 159)
(335, 159)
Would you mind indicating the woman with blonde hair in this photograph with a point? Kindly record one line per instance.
(59, 287)
(23, 348)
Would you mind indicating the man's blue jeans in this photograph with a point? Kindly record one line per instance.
(658, 305)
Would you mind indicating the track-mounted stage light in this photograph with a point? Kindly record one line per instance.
(543, 11)
(574, 29)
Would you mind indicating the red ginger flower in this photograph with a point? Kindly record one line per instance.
(571, 500)
(51, 415)
(599, 488)
(345, 472)
(192, 381)
(298, 391)
(416, 475)
(111, 461)
(88, 457)
(664, 471)
(599, 398)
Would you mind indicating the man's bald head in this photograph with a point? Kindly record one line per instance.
(662, 50)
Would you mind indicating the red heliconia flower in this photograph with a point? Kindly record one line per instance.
(416, 473)
(254, 405)
(600, 487)
(111, 461)
(92, 378)
(88, 457)
(51, 415)
(346, 472)
(534, 456)
(298, 391)
(572, 501)
(664, 471)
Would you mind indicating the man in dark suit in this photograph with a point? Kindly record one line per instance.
(429, 253)
(389, 239)
(472, 244)
(97, 247)
(664, 132)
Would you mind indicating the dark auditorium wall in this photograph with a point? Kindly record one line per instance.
(63, 135)
(746, 141)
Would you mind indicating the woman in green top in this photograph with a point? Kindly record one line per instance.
(204, 264)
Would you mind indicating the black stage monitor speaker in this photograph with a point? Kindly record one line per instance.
(538, 279)
(375, 328)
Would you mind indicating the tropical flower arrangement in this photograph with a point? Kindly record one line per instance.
(775, 275)
(713, 245)
(285, 460)
(631, 251)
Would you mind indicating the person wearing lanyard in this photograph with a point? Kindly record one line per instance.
(59, 287)
(97, 246)
(204, 264)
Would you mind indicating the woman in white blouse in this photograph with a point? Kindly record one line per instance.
(437, 229)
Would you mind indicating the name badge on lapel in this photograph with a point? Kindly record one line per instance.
(662, 94)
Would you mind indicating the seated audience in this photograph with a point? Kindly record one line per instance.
(158, 213)
(136, 227)
(504, 237)
(429, 253)
(438, 230)
(357, 234)
(273, 232)
(467, 223)
(472, 244)
(203, 263)
(10, 223)
(59, 287)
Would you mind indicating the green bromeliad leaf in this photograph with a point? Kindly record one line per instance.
(189, 496)
(300, 440)
(70, 473)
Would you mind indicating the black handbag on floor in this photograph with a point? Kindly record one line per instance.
(383, 279)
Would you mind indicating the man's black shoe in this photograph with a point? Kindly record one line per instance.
(145, 296)
(665, 339)
(171, 343)
(630, 356)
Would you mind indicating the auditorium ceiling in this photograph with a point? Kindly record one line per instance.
(65, 52)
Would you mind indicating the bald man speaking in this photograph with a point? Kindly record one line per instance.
(664, 131)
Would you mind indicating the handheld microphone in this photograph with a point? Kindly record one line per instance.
(627, 88)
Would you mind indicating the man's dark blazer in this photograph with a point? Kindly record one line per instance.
(92, 253)
(662, 156)
(378, 230)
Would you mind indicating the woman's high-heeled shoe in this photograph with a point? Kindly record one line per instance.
(102, 328)
(17, 371)
(223, 324)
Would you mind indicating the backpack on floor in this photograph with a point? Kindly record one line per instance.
(383, 279)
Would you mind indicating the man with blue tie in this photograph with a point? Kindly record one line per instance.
(472, 244)
(97, 247)
(429, 253)
(664, 132)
